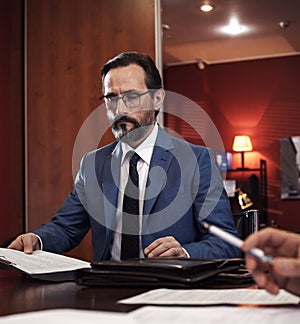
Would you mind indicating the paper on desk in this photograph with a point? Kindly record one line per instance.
(161, 315)
(216, 314)
(211, 297)
(40, 262)
(65, 316)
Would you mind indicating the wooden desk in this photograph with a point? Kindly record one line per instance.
(22, 294)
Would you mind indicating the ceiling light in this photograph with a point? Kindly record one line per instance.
(200, 64)
(206, 7)
(284, 24)
(234, 28)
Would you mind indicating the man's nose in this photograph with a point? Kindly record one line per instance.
(121, 107)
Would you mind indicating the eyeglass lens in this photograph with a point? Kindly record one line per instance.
(130, 100)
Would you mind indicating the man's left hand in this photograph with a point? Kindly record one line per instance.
(165, 247)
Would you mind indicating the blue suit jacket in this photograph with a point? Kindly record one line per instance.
(184, 187)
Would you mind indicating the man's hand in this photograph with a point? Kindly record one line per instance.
(25, 242)
(285, 271)
(165, 247)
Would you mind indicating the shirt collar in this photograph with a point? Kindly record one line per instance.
(145, 149)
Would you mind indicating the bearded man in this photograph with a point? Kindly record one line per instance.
(146, 194)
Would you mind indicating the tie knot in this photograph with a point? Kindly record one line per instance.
(134, 157)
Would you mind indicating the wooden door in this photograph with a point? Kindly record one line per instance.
(67, 43)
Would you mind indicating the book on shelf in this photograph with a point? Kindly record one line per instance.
(224, 160)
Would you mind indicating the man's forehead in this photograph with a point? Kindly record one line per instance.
(132, 76)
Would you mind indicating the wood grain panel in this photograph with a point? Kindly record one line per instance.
(11, 119)
(67, 43)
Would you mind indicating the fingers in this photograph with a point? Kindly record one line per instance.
(278, 241)
(251, 263)
(287, 267)
(276, 276)
(260, 238)
(165, 247)
(25, 242)
(261, 275)
(264, 280)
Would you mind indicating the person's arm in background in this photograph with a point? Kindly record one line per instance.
(284, 247)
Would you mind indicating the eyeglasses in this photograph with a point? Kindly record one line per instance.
(131, 100)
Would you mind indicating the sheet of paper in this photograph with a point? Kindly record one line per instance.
(162, 315)
(41, 262)
(63, 316)
(216, 314)
(211, 297)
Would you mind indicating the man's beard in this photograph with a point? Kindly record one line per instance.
(137, 132)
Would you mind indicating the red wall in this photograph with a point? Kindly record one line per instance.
(260, 98)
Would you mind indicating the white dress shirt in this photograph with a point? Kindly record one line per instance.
(144, 150)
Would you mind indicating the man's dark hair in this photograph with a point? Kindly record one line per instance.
(152, 76)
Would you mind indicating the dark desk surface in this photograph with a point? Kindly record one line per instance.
(20, 293)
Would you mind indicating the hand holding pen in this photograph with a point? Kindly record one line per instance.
(272, 273)
(285, 270)
(235, 241)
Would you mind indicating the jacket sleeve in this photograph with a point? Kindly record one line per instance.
(212, 205)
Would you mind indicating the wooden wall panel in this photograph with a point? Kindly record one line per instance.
(67, 43)
(11, 119)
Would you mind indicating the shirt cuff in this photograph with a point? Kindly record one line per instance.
(40, 241)
(186, 252)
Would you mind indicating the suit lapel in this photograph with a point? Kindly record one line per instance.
(111, 176)
(160, 163)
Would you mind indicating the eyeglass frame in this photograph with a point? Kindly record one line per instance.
(117, 98)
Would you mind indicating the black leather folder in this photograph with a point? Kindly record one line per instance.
(181, 273)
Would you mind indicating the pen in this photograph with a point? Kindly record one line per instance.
(233, 240)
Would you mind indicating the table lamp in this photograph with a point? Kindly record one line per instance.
(242, 143)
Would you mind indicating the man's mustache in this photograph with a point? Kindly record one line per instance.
(121, 119)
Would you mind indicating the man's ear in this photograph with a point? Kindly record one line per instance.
(158, 98)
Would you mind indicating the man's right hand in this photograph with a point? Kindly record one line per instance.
(25, 242)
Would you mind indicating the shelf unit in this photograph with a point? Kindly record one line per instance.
(254, 182)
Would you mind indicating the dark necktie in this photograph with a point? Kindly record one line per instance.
(130, 218)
